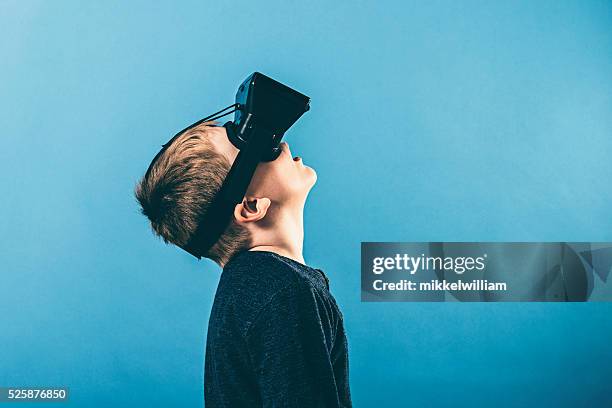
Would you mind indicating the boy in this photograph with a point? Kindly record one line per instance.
(275, 335)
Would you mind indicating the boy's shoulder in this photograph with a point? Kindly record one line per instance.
(252, 278)
(264, 272)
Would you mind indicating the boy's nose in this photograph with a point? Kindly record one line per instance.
(285, 147)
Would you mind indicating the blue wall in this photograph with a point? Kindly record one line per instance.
(430, 121)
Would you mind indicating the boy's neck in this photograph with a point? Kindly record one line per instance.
(286, 238)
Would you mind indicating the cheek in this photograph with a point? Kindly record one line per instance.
(270, 179)
(281, 180)
(288, 176)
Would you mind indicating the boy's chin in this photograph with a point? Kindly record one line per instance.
(312, 177)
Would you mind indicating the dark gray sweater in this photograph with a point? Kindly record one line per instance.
(275, 337)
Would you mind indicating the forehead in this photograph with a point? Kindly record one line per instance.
(218, 137)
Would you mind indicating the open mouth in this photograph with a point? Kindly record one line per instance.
(297, 158)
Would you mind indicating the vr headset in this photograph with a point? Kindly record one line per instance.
(264, 110)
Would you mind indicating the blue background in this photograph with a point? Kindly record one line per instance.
(475, 121)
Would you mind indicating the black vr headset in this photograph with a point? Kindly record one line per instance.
(264, 110)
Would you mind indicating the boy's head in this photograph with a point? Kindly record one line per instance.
(186, 177)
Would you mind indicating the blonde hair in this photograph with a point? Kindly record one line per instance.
(179, 189)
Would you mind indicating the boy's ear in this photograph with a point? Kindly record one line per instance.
(251, 209)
